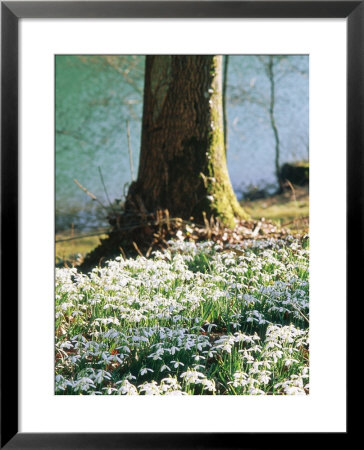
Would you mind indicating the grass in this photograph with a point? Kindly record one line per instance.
(195, 319)
(290, 209)
(71, 249)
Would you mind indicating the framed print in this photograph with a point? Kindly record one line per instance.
(173, 315)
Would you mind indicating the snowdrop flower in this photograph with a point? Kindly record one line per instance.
(208, 385)
(150, 388)
(240, 379)
(198, 357)
(264, 377)
(256, 391)
(83, 384)
(175, 392)
(110, 390)
(176, 364)
(67, 345)
(101, 376)
(290, 361)
(191, 376)
(198, 366)
(145, 370)
(126, 388)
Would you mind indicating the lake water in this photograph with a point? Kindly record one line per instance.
(96, 97)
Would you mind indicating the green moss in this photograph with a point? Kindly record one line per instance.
(224, 204)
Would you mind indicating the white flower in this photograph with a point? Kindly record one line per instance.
(150, 388)
(126, 388)
(176, 364)
(145, 370)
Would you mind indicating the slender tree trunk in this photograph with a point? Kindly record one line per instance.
(182, 164)
(273, 122)
(224, 87)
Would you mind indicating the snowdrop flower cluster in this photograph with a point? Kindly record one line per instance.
(195, 319)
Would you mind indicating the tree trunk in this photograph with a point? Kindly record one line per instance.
(270, 73)
(182, 164)
(224, 101)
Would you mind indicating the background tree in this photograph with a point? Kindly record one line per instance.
(276, 69)
(268, 63)
(224, 99)
(182, 164)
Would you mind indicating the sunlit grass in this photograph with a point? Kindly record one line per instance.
(290, 209)
(73, 250)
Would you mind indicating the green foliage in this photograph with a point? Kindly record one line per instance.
(297, 173)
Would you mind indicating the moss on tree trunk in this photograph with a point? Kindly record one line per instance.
(182, 161)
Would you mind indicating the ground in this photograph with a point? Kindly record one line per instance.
(289, 210)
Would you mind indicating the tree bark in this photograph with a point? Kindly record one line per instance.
(182, 164)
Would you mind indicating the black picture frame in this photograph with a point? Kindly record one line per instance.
(11, 12)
